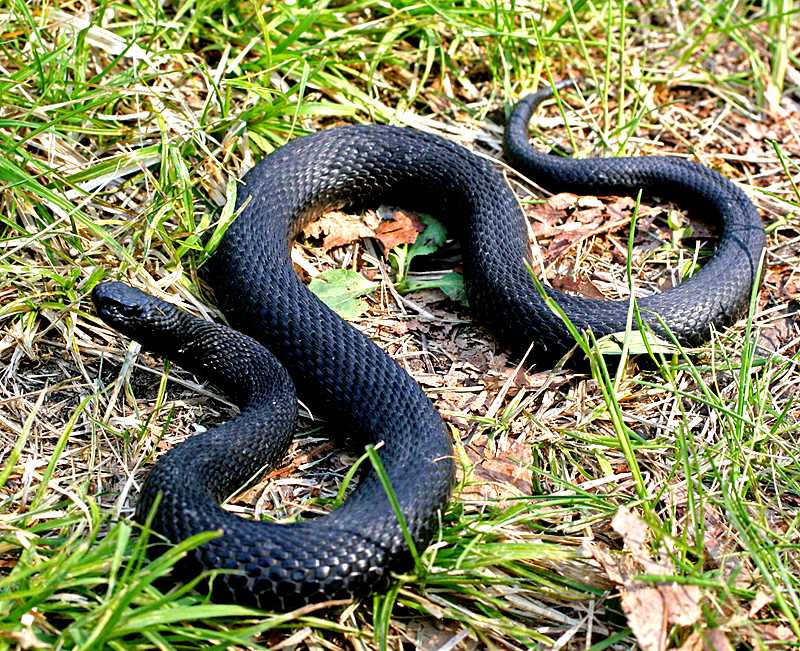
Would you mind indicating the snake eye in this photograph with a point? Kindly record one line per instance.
(127, 309)
(117, 302)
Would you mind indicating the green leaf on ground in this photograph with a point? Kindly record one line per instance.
(429, 240)
(341, 290)
(452, 284)
(613, 344)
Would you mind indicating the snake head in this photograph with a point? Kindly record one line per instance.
(131, 311)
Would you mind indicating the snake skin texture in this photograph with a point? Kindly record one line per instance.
(347, 378)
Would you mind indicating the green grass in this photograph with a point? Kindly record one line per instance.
(123, 129)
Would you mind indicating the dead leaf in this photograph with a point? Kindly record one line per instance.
(761, 599)
(716, 537)
(755, 130)
(648, 608)
(616, 566)
(781, 328)
(623, 206)
(791, 288)
(566, 236)
(580, 287)
(682, 602)
(589, 201)
(338, 229)
(775, 633)
(429, 637)
(402, 228)
(632, 529)
(544, 220)
(587, 223)
(503, 466)
(563, 201)
(513, 379)
(647, 616)
(715, 640)
(692, 643)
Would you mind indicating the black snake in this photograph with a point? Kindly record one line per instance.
(353, 549)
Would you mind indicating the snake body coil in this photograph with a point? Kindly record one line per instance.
(344, 375)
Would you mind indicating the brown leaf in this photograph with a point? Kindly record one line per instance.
(755, 131)
(775, 633)
(581, 287)
(674, 603)
(513, 379)
(563, 201)
(717, 538)
(588, 201)
(618, 567)
(647, 616)
(715, 640)
(567, 235)
(761, 599)
(622, 207)
(781, 328)
(429, 637)
(544, 218)
(338, 229)
(692, 643)
(402, 228)
(587, 223)
(682, 602)
(648, 608)
(503, 466)
(633, 531)
(720, 544)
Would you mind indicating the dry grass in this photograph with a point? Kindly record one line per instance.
(585, 499)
